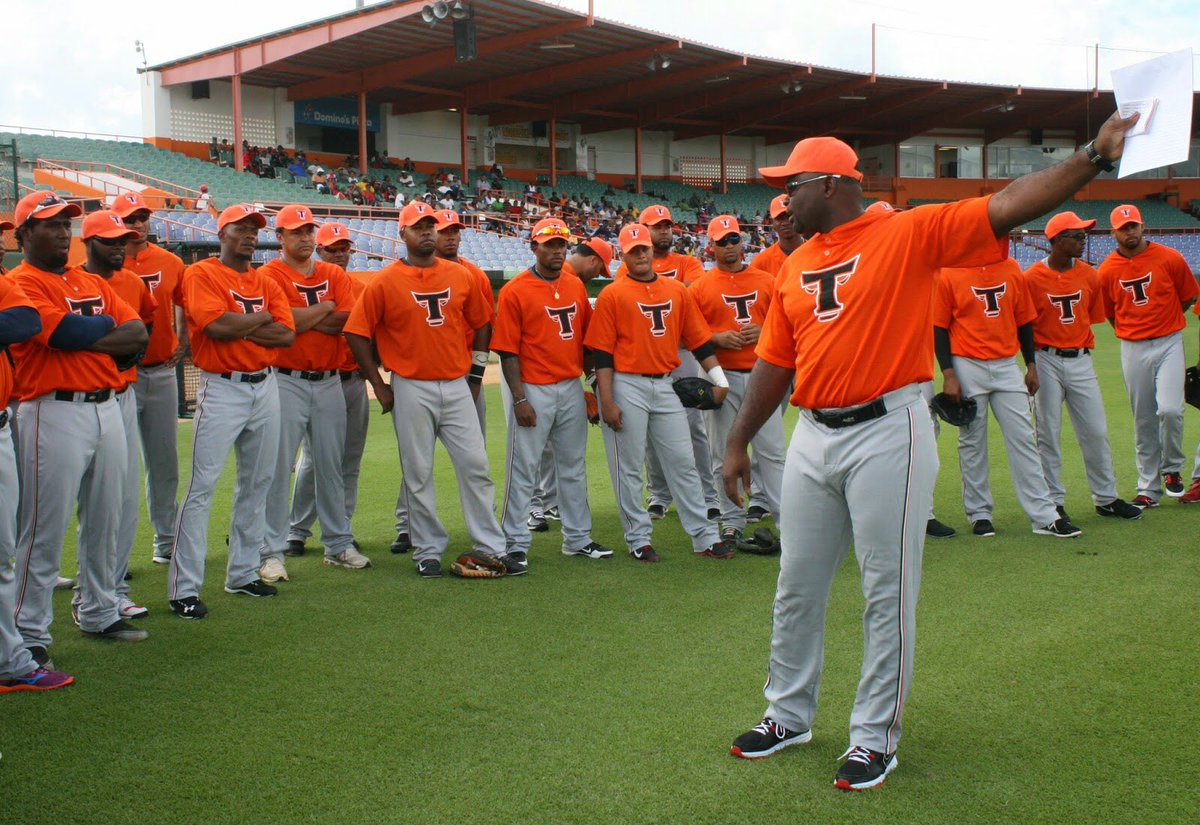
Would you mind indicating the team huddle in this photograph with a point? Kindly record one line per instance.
(844, 317)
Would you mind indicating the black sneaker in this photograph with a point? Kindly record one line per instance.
(536, 523)
(936, 530)
(1119, 508)
(983, 528)
(713, 514)
(766, 738)
(188, 608)
(516, 563)
(730, 535)
(1174, 484)
(720, 550)
(429, 569)
(165, 558)
(552, 514)
(402, 544)
(863, 769)
(757, 513)
(1062, 512)
(656, 511)
(1059, 528)
(257, 588)
(644, 553)
(295, 547)
(41, 657)
(594, 550)
(120, 631)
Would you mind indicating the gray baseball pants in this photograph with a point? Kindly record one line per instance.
(242, 416)
(651, 414)
(130, 494)
(429, 410)
(157, 417)
(74, 454)
(562, 425)
(14, 658)
(1073, 381)
(1154, 370)
(358, 416)
(999, 384)
(869, 484)
(312, 411)
(768, 449)
(545, 494)
(656, 480)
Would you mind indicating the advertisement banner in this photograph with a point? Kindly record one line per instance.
(336, 113)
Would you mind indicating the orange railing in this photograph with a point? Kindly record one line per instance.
(34, 130)
(85, 171)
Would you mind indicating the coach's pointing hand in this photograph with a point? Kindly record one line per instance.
(1110, 141)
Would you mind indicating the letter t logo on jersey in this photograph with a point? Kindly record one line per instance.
(990, 295)
(657, 314)
(824, 283)
(433, 303)
(1066, 305)
(740, 304)
(1137, 288)
(563, 316)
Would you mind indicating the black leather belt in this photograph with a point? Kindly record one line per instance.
(152, 366)
(1066, 353)
(348, 376)
(3, 419)
(247, 377)
(658, 375)
(848, 418)
(97, 397)
(731, 369)
(305, 375)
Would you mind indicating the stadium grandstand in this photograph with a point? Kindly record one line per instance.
(507, 110)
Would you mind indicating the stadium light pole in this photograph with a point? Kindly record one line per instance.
(637, 158)
(553, 155)
(236, 90)
(462, 139)
(724, 179)
(362, 134)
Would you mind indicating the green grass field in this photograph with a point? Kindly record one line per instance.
(1054, 680)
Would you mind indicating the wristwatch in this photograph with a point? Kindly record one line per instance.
(1096, 159)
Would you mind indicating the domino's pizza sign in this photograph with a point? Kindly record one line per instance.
(336, 113)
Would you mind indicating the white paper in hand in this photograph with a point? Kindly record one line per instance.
(1161, 89)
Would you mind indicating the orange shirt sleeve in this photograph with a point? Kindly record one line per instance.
(602, 331)
(690, 269)
(943, 303)
(277, 303)
(694, 331)
(776, 342)
(1023, 308)
(506, 328)
(959, 234)
(203, 300)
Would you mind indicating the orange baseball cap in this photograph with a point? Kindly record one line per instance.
(1063, 221)
(41, 205)
(722, 226)
(238, 213)
(602, 248)
(633, 235)
(414, 212)
(656, 213)
(778, 206)
(129, 202)
(331, 233)
(824, 155)
(880, 206)
(447, 218)
(107, 224)
(294, 216)
(1123, 214)
(547, 229)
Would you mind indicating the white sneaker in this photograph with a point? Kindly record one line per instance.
(349, 557)
(63, 583)
(272, 570)
(130, 609)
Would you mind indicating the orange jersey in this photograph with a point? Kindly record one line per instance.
(683, 268)
(132, 290)
(11, 297)
(419, 316)
(313, 351)
(40, 367)
(162, 273)
(348, 362)
(643, 324)
(770, 259)
(1144, 295)
(1066, 303)
(732, 301)
(544, 325)
(210, 289)
(851, 310)
(982, 306)
(485, 288)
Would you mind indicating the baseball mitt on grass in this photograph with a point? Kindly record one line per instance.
(762, 543)
(695, 392)
(1191, 386)
(476, 564)
(960, 414)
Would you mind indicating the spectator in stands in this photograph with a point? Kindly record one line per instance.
(531, 190)
(483, 185)
(407, 165)
(297, 168)
(405, 178)
(446, 201)
(399, 200)
(204, 201)
(214, 150)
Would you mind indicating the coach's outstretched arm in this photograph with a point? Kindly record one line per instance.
(765, 391)
(1033, 195)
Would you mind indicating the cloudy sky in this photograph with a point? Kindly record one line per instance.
(94, 86)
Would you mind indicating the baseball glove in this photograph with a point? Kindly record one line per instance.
(129, 361)
(762, 543)
(695, 392)
(593, 407)
(960, 414)
(1191, 386)
(476, 564)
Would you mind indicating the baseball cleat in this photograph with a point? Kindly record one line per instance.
(594, 550)
(863, 769)
(515, 563)
(730, 535)
(429, 569)
(552, 514)
(934, 529)
(766, 738)
(188, 608)
(120, 631)
(757, 513)
(257, 588)
(75, 611)
(536, 523)
(1192, 496)
(39, 679)
(161, 559)
(644, 553)
(41, 657)
(1144, 503)
(1062, 512)
(1060, 529)
(295, 547)
(129, 609)
(348, 558)
(1119, 508)
(272, 570)
(61, 583)
(656, 512)
(983, 528)
(720, 550)
(402, 544)
(1174, 484)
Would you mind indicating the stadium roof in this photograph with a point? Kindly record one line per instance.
(537, 61)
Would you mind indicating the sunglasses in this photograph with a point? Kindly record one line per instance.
(1073, 236)
(793, 185)
(729, 240)
(553, 232)
(109, 241)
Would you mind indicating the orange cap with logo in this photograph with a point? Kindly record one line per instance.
(331, 233)
(779, 206)
(238, 213)
(1123, 214)
(127, 203)
(42, 205)
(447, 218)
(722, 226)
(654, 214)
(822, 155)
(414, 212)
(880, 206)
(1063, 221)
(602, 248)
(547, 229)
(294, 216)
(633, 235)
(107, 224)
